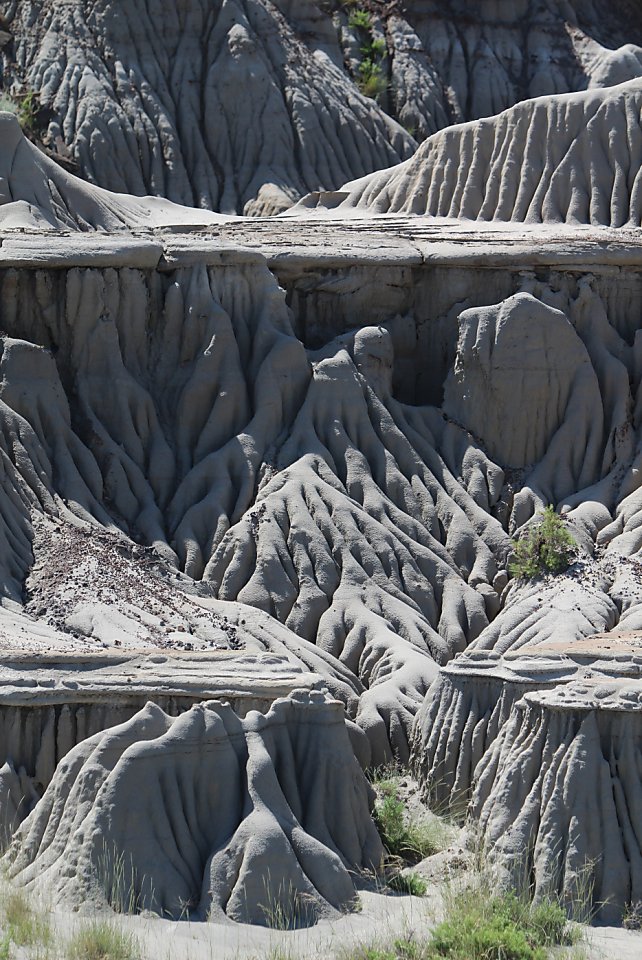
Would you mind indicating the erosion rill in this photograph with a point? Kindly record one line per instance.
(259, 484)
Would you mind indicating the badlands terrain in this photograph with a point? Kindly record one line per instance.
(308, 312)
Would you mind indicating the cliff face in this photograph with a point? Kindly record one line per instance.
(246, 105)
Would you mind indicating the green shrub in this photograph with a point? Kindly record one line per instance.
(480, 926)
(377, 48)
(403, 949)
(545, 547)
(372, 81)
(25, 110)
(360, 20)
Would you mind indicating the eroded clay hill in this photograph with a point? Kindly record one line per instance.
(220, 442)
(246, 105)
(568, 159)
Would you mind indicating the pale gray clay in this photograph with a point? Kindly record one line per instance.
(207, 815)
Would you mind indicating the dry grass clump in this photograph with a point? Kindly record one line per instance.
(101, 940)
(23, 924)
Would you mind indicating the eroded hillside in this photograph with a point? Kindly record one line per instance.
(246, 105)
(297, 451)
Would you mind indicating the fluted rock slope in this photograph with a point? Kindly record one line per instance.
(245, 105)
(556, 798)
(37, 193)
(556, 159)
(207, 814)
(217, 105)
(454, 61)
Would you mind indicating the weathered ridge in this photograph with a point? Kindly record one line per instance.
(261, 479)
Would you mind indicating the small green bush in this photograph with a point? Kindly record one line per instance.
(372, 81)
(403, 949)
(25, 109)
(360, 20)
(28, 111)
(545, 547)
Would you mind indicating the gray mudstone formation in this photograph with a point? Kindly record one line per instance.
(546, 829)
(303, 447)
(566, 159)
(246, 105)
(221, 816)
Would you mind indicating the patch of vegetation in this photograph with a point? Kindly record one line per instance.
(632, 919)
(101, 940)
(403, 837)
(410, 883)
(360, 19)
(402, 949)
(27, 112)
(285, 908)
(481, 927)
(26, 109)
(372, 81)
(22, 924)
(500, 927)
(545, 547)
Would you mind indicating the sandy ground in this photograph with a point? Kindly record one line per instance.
(383, 918)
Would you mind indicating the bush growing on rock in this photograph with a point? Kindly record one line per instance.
(546, 547)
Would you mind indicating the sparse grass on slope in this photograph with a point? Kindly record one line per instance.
(410, 883)
(403, 836)
(101, 940)
(23, 924)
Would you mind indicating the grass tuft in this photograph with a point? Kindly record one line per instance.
(286, 908)
(22, 924)
(479, 926)
(101, 940)
(500, 927)
(410, 883)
